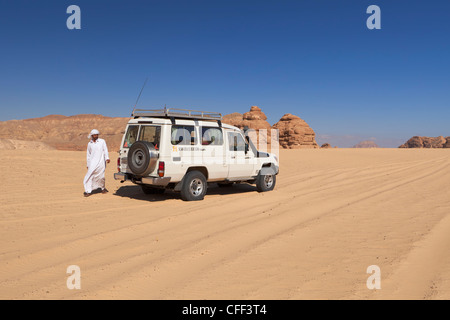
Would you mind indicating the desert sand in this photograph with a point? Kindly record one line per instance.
(334, 212)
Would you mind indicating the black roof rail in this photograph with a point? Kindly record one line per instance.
(175, 113)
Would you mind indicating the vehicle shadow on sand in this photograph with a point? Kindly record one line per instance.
(135, 192)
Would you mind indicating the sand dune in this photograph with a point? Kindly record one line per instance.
(333, 213)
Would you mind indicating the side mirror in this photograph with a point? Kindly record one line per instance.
(246, 148)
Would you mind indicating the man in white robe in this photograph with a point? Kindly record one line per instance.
(97, 157)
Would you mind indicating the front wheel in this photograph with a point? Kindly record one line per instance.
(266, 182)
(194, 186)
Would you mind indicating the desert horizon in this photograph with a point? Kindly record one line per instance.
(70, 132)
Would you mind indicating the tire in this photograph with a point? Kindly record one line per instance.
(152, 190)
(266, 182)
(142, 158)
(194, 186)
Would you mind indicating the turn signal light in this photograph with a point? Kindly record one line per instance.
(118, 164)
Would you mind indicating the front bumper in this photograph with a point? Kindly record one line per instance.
(155, 181)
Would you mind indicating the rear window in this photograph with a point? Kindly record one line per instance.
(151, 134)
(131, 136)
(183, 135)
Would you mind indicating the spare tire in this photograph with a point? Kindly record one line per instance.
(142, 158)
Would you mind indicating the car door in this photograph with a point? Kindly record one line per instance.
(213, 147)
(241, 161)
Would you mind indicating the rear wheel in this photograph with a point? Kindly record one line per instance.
(152, 190)
(266, 182)
(194, 186)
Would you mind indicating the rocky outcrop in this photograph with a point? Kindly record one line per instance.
(254, 119)
(295, 133)
(234, 119)
(326, 146)
(427, 142)
(447, 144)
(366, 144)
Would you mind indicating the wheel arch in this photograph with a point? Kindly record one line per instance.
(268, 168)
(203, 170)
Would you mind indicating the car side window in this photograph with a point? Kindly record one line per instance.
(236, 142)
(131, 136)
(212, 136)
(183, 135)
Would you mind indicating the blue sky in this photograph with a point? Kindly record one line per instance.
(313, 58)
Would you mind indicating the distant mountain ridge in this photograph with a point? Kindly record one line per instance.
(11, 144)
(65, 132)
(70, 132)
(366, 144)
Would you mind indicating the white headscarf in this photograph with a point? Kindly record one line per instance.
(95, 131)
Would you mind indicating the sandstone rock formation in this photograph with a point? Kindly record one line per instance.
(234, 119)
(366, 144)
(254, 119)
(65, 133)
(295, 133)
(427, 142)
(326, 146)
(447, 144)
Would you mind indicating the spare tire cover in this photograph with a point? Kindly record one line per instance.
(142, 158)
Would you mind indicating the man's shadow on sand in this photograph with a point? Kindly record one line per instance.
(135, 192)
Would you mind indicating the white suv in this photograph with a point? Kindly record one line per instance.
(184, 150)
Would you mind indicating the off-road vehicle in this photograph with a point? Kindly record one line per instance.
(184, 150)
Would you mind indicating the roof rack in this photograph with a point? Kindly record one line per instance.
(174, 113)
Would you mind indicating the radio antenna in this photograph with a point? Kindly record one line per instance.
(139, 96)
